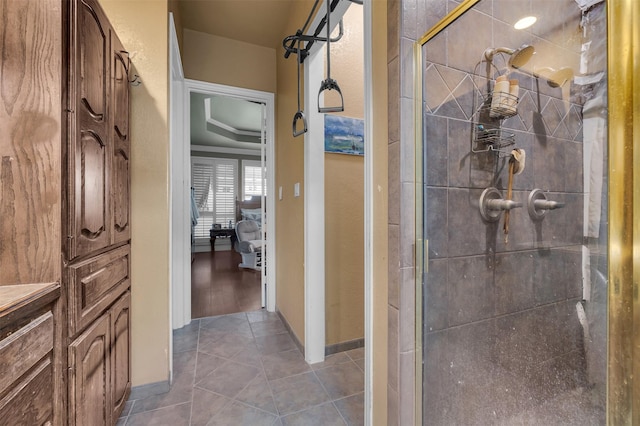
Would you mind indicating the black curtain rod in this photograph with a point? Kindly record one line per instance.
(289, 42)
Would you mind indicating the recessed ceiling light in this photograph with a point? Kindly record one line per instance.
(525, 22)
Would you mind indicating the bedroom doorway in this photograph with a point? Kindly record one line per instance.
(228, 161)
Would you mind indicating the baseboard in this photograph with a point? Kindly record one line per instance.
(329, 349)
(343, 346)
(150, 389)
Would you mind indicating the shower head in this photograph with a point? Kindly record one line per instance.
(517, 57)
(555, 78)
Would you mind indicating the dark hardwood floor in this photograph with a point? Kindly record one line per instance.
(219, 287)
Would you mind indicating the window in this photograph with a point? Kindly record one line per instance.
(253, 180)
(215, 185)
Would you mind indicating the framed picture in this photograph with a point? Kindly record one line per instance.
(216, 226)
(343, 135)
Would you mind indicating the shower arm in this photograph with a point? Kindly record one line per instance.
(491, 52)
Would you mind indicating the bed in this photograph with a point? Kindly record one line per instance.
(249, 210)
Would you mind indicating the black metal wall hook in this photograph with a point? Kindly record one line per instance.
(288, 42)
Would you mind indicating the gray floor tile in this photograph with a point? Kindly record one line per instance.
(206, 364)
(175, 415)
(360, 363)
(334, 359)
(245, 369)
(258, 394)
(268, 328)
(356, 354)
(262, 315)
(226, 346)
(352, 409)
(236, 323)
(342, 380)
(275, 343)
(297, 393)
(185, 340)
(229, 379)
(180, 392)
(184, 363)
(206, 405)
(250, 355)
(320, 415)
(238, 414)
(284, 364)
(127, 408)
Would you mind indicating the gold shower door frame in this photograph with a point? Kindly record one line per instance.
(623, 319)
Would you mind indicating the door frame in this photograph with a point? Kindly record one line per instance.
(268, 99)
(181, 170)
(179, 300)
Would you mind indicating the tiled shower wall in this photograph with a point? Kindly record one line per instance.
(501, 331)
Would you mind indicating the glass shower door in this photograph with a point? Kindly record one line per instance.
(514, 173)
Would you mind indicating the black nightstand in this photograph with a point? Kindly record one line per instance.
(222, 232)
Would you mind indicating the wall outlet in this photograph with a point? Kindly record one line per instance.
(296, 189)
(280, 193)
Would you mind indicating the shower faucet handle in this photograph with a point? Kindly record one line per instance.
(492, 204)
(538, 204)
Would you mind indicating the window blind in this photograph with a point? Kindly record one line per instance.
(215, 185)
(253, 182)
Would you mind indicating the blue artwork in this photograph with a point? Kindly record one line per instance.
(343, 135)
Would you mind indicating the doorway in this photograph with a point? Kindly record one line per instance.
(228, 187)
(200, 91)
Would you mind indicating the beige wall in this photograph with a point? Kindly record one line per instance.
(344, 197)
(224, 61)
(289, 170)
(380, 240)
(143, 29)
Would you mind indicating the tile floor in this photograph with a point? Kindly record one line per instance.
(244, 369)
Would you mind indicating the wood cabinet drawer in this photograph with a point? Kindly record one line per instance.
(95, 284)
(23, 349)
(30, 402)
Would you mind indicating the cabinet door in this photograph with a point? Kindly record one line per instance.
(90, 376)
(120, 353)
(119, 129)
(90, 149)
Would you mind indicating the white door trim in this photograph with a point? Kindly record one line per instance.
(314, 238)
(179, 246)
(269, 100)
(368, 214)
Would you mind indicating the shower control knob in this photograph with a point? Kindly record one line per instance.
(492, 204)
(538, 204)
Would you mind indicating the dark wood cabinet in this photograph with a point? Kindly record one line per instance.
(90, 376)
(120, 170)
(120, 316)
(89, 143)
(98, 251)
(28, 385)
(99, 375)
(65, 159)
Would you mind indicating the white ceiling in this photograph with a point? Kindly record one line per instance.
(225, 121)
